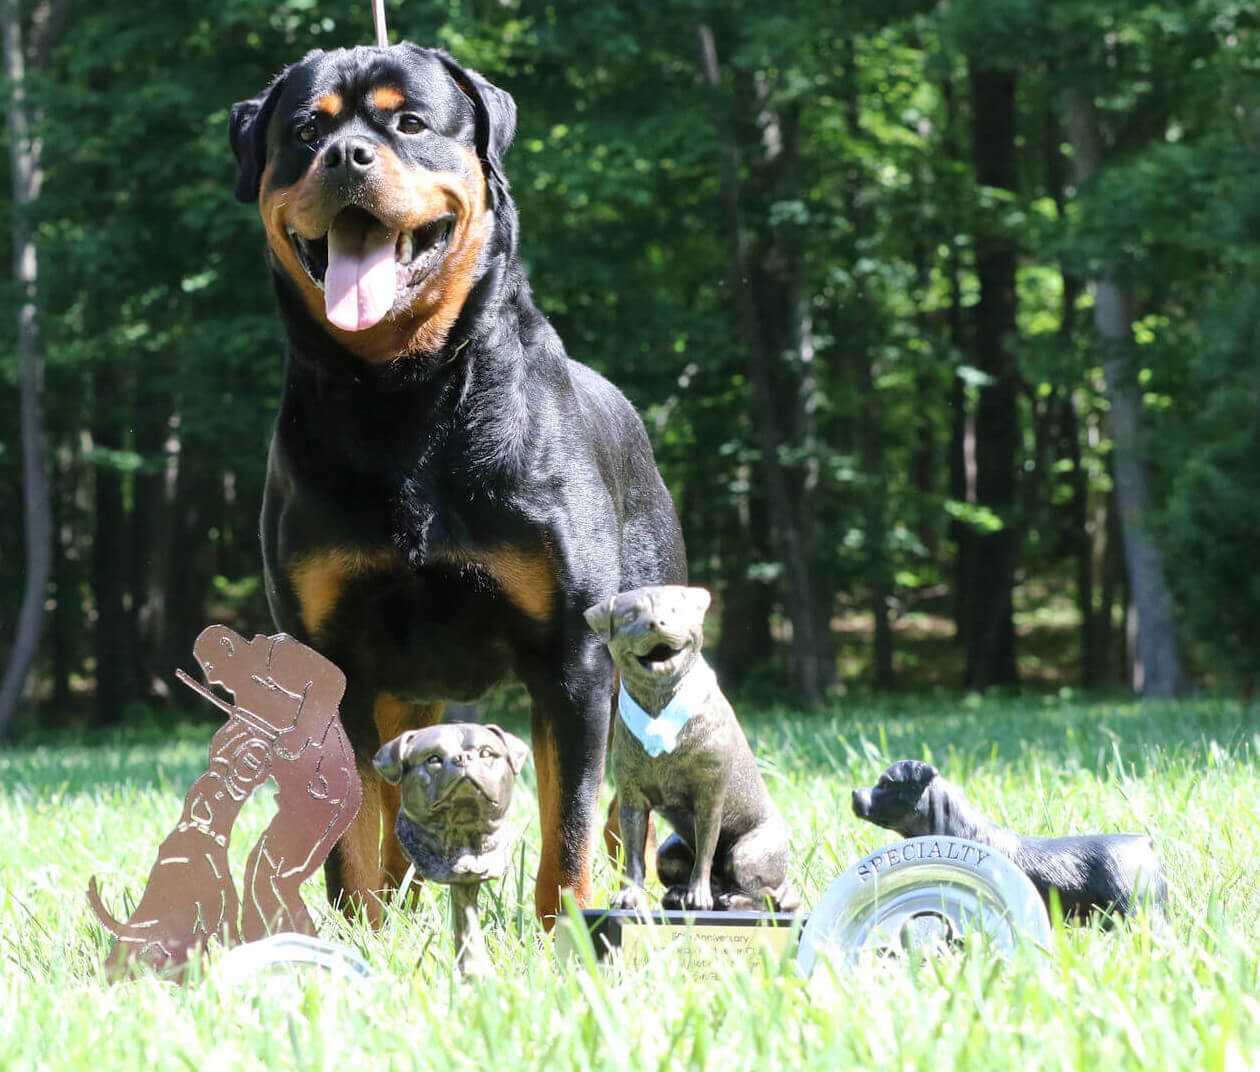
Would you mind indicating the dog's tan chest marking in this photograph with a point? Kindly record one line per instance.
(320, 578)
(524, 576)
(394, 716)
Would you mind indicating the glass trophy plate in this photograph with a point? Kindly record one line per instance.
(288, 953)
(922, 894)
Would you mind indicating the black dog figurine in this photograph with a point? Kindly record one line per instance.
(1113, 873)
(446, 491)
(678, 749)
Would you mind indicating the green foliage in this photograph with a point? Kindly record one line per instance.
(164, 354)
(1211, 523)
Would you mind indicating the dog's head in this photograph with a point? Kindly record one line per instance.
(654, 634)
(457, 774)
(900, 800)
(378, 174)
(226, 658)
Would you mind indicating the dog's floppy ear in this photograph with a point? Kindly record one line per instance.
(700, 599)
(496, 122)
(599, 617)
(247, 131)
(390, 761)
(517, 750)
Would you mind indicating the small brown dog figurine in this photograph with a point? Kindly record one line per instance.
(456, 784)
(678, 749)
(1114, 873)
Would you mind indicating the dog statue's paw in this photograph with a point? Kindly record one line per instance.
(699, 898)
(692, 898)
(630, 898)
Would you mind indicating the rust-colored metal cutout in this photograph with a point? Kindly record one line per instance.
(283, 724)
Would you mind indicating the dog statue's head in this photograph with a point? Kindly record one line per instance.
(900, 800)
(456, 777)
(654, 634)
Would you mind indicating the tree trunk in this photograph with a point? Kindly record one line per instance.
(990, 634)
(109, 560)
(748, 602)
(870, 422)
(190, 569)
(66, 619)
(152, 517)
(879, 569)
(1156, 666)
(1093, 653)
(1113, 601)
(24, 157)
(962, 477)
(1093, 638)
(811, 653)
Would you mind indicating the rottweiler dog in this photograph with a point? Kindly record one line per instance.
(446, 490)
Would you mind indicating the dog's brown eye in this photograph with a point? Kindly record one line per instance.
(308, 131)
(410, 124)
(487, 753)
(434, 760)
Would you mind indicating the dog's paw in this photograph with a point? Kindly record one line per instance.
(630, 898)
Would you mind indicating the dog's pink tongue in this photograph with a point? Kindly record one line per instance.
(360, 282)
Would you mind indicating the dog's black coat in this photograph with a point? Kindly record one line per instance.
(494, 443)
(1113, 873)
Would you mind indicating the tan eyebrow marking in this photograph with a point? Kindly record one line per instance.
(387, 98)
(329, 103)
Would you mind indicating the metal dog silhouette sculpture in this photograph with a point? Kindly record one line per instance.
(283, 725)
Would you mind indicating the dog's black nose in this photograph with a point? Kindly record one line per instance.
(355, 156)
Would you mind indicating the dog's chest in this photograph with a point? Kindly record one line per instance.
(670, 782)
(448, 630)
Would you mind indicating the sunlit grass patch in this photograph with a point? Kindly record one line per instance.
(1138, 997)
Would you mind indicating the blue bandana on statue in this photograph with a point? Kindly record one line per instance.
(660, 734)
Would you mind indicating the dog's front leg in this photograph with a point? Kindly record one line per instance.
(570, 738)
(708, 819)
(364, 867)
(634, 816)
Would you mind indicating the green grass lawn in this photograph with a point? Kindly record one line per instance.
(1185, 998)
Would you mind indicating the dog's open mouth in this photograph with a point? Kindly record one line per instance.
(363, 266)
(660, 658)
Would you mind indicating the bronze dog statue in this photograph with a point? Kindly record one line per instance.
(1114, 873)
(677, 749)
(456, 786)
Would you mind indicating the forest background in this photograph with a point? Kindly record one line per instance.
(941, 316)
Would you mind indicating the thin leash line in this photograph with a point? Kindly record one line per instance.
(378, 17)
